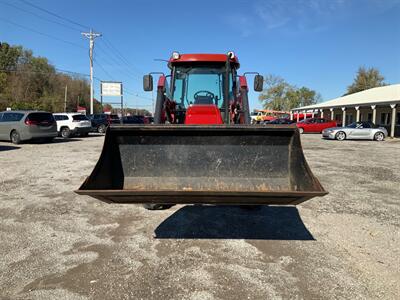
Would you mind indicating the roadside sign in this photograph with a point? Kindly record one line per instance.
(109, 88)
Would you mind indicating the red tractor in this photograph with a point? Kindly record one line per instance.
(202, 89)
(201, 148)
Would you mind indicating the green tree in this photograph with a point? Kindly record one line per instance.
(9, 57)
(274, 95)
(280, 95)
(108, 107)
(365, 79)
(137, 111)
(30, 82)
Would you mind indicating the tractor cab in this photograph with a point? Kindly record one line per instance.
(202, 89)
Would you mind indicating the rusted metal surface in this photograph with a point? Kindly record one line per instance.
(236, 164)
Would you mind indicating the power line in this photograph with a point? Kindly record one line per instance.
(54, 14)
(104, 70)
(116, 55)
(132, 93)
(39, 16)
(121, 56)
(42, 33)
(44, 72)
(139, 106)
(124, 68)
(108, 44)
(71, 72)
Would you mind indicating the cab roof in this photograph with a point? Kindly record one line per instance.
(187, 58)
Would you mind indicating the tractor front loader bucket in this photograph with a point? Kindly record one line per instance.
(178, 164)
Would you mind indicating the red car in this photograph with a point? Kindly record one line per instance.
(315, 125)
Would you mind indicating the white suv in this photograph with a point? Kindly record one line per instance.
(69, 124)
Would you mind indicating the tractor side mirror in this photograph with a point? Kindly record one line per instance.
(258, 83)
(147, 83)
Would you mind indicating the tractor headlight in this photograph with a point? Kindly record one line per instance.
(175, 55)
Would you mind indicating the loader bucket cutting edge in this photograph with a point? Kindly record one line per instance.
(175, 164)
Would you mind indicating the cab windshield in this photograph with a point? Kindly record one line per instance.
(199, 85)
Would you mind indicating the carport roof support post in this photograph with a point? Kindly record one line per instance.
(305, 114)
(393, 106)
(344, 117)
(332, 114)
(373, 107)
(358, 113)
(322, 113)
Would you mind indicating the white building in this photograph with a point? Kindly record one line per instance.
(379, 105)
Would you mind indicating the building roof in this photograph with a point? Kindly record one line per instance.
(389, 94)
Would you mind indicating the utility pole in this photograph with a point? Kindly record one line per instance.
(91, 36)
(65, 98)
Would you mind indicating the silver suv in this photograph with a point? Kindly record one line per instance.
(18, 126)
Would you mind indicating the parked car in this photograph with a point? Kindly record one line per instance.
(279, 121)
(101, 121)
(18, 126)
(315, 125)
(253, 117)
(133, 120)
(70, 124)
(148, 120)
(356, 131)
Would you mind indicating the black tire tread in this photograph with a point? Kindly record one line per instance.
(18, 141)
(151, 206)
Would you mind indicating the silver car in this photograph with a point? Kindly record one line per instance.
(356, 131)
(18, 126)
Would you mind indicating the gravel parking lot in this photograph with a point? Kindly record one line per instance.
(56, 244)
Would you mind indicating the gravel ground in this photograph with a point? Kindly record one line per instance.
(58, 245)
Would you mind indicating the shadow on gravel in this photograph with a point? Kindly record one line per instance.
(56, 140)
(92, 134)
(61, 140)
(7, 148)
(232, 222)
